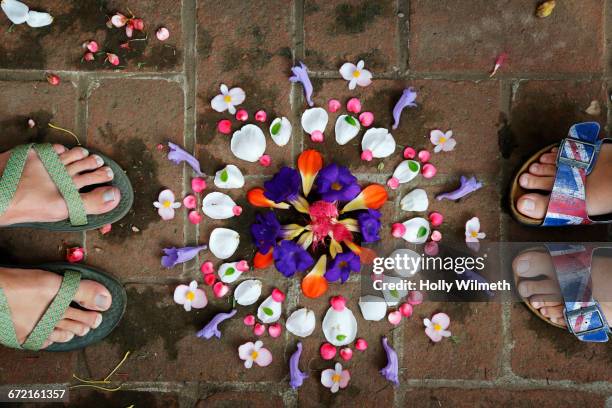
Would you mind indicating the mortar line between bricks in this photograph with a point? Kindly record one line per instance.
(403, 37)
(80, 128)
(607, 23)
(398, 332)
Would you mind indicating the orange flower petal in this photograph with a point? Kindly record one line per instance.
(374, 196)
(256, 198)
(313, 285)
(309, 164)
(262, 261)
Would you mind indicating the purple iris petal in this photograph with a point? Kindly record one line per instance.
(390, 372)
(174, 256)
(178, 155)
(407, 99)
(467, 186)
(212, 329)
(265, 231)
(336, 183)
(369, 225)
(300, 74)
(290, 258)
(284, 186)
(297, 376)
(342, 266)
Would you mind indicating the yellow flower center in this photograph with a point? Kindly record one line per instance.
(227, 98)
(254, 355)
(190, 295)
(167, 204)
(343, 264)
(474, 234)
(442, 139)
(437, 327)
(336, 186)
(336, 378)
(356, 73)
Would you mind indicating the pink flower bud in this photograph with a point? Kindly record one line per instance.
(261, 116)
(436, 219)
(424, 156)
(436, 236)
(210, 279)
(431, 248)
(353, 105)
(207, 268)
(31, 123)
(367, 155)
(346, 353)
(237, 210)
(406, 309)
(415, 297)
(265, 160)
(249, 320)
(138, 24)
(194, 217)
(259, 329)
(338, 303)
(393, 183)
(409, 153)
(361, 344)
(366, 119)
(190, 202)
(317, 136)
(398, 230)
(75, 254)
(162, 34)
(333, 105)
(91, 46)
(89, 57)
(105, 229)
(327, 351)
(220, 289)
(242, 266)
(198, 184)
(125, 45)
(242, 115)
(395, 318)
(113, 59)
(53, 79)
(224, 126)
(278, 295)
(429, 170)
(274, 330)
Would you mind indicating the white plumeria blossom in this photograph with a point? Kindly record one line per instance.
(254, 353)
(280, 131)
(347, 127)
(248, 143)
(20, 13)
(219, 206)
(472, 230)
(443, 141)
(301, 322)
(223, 242)
(190, 296)
(248, 292)
(378, 141)
(228, 99)
(269, 310)
(435, 328)
(166, 205)
(373, 308)
(335, 378)
(416, 200)
(314, 119)
(356, 74)
(339, 326)
(229, 177)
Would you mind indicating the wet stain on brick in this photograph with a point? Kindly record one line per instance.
(29, 52)
(205, 42)
(15, 130)
(374, 58)
(505, 138)
(353, 19)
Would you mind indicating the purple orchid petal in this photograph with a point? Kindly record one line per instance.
(467, 186)
(300, 74)
(174, 256)
(407, 99)
(390, 372)
(211, 328)
(297, 376)
(177, 155)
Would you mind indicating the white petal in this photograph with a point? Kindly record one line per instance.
(347, 127)
(38, 19)
(166, 213)
(435, 135)
(218, 103)
(180, 294)
(417, 230)
(352, 84)
(393, 296)
(339, 327)
(269, 310)
(223, 242)
(248, 143)
(230, 108)
(314, 119)
(245, 350)
(187, 305)
(427, 322)
(335, 387)
(199, 301)
(218, 206)
(282, 131)
(228, 272)
(416, 200)
(372, 307)
(326, 377)
(301, 322)
(248, 292)
(193, 285)
(248, 363)
(346, 70)
(237, 95)
(472, 225)
(360, 64)
(442, 319)
(365, 78)
(15, 10)
(223, 89)
(449, 145)
(407, 170)
(379, 141)
(229, 177)
(166, 195)
(157, 204)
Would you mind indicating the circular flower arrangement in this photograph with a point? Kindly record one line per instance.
(331, 215)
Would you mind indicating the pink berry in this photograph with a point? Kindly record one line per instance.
(259, 329)
(424, 156)
(317, 136)
(394, 318)
(261, 116)
(406, 309)
(210, 279)
(346, 353)
(75, 254)
(249, 320)
(367, 155)
(274, 330)
(398, 230)
(361, 344)
(198, 184)
(162, 34)
(265, 160)
(207, 268)
(366, 119)
(436, 219)
(327, 351)
(409, 153)
(333, 105)
(190, 202)
(431, 248)
(278, 295)
(353, 105)
(436, 236)
(242, 266)
(237, 210)
(242, 115)
(429, 170)
(338, 303)
(220, 289)
(91, 46)
(194, 217)
(105, 229)
(393, 183)
(53, 79)
(415, 297)
(224, 126)
(89, 56)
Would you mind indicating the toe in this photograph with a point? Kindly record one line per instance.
(59, 149)
(60, 336)
(551, 299)
(73, 326)
(93, 296)
(100, 176)
(73, 155)
(86, 317)
(89, 163)
(533, 205)
(101, 200)
(552, 311)
(532, 264)
(549, 158)
(531, 182)
(539, 169)
(558, 320)
(540, 304)
(529, 288)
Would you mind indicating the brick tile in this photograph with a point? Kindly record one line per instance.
(25, 367)
(459, 398)
(369, 27)
(447, 37)
(254, 55)
(58, 46)
(125, 398)
(544, 351)
(237, 399)
(121, 126)
(471, 324)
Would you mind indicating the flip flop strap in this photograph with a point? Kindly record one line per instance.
(575, 160)
(46, 324)
(583, 315)
(57, 171)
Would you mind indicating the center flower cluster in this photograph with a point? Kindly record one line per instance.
(331, 209)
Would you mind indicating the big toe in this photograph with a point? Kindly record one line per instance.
(93, 296)
(533, 205)
(101, 200)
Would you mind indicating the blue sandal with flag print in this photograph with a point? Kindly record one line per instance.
(582, 312)
(576, 159)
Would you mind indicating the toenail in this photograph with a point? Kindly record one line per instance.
(109, 173)
(537, 305)
(525, 180)
(528, 204)
(108, 196)
(522, 266)
(102, 301)
(98, 321)
(99, 160)
(85, 152)
(85, 331)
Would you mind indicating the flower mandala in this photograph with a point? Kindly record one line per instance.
(330, 215)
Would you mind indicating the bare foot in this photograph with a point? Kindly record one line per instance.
(538, 283)
(541, 176)
(30, 291)
(37, 199)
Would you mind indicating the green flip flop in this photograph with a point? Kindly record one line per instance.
(78, 220)
(72, 274)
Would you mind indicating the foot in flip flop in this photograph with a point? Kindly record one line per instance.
(37, 199)
(29, 292)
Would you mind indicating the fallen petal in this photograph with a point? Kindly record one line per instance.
(297, 376)
(162, 34)
(212, 328)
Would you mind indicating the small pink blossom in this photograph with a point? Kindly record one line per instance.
(166, 205)
(361, 344)
(207, 268)
(406, 309)
(335, 378)
(91, 46)
(333, 105)
(89, 57)
(162, 34)
(274, 330)
(53, 79)
(409, 153)
(259, 329)
(443, 141)
(31, 123)
(429, 170)
(431, 248)
(436, 219)
(242, 115)
(327, 351)
(435, 328)
(436, 236)
(346, 353)
(190, 202)
(105, 229)
(472, 230)
(119, 20)
(366, 119)
(137, 23)
(198, 184)
(317, 136)
(415, 297)
(210, 279)
(424, 156)
(113, 59)
(75, 254)
(367, 155)
(220, 289)
(190, 296)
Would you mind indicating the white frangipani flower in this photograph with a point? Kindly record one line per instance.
(190, 296)
(472, 230)
(356, 74)
(166, 205)
(443, 141)
(228, 99)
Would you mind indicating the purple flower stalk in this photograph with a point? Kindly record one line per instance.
(290, 258)
(178, 155)
(369, 225)
(174, 256)
(300, 74)
(212, 329)
(336, 183)
(407, 99)
(342, 266)
(297, 376)
(390, 372)
(467, 186)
